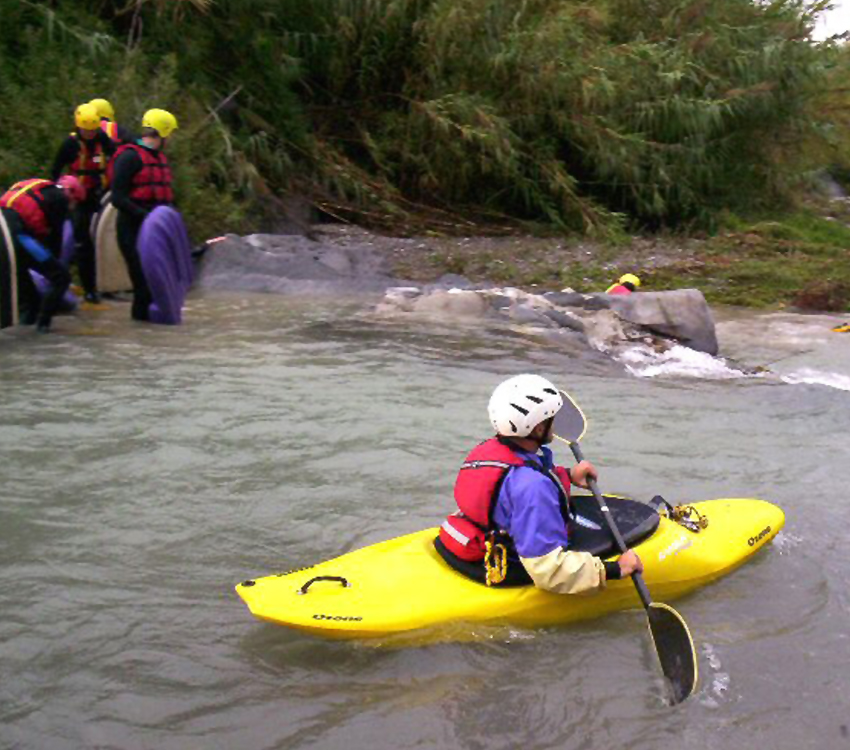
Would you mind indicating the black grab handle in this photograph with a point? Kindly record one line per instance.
(338, 579)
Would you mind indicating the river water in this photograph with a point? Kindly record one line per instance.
(146, 470)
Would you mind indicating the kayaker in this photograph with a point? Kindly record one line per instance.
(33, 213)
(84, 154)
(118, 134)
(141, 181)
(626, 284)
(511, 495)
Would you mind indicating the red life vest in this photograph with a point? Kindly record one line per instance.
(477, 488)
(90, 167)
(152, 183)
(111, 129)
(26, 199)
(618, 289)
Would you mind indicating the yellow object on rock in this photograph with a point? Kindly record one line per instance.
(630, 278)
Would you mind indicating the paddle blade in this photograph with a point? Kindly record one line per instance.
(675, 649)
(569, 424)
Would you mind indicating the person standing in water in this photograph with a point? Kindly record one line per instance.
(33, 214)
(85, 154)
(510, 493)
(141, 181)
(627, 283)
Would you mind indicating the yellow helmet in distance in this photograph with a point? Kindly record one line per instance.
(162, 121)
(104, 108)
(630, 278)
(86, 117)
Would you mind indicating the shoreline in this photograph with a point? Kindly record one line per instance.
(799, 260)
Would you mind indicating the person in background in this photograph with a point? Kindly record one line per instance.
(34, 212)
(627, 283)
(85, 154)
(118, 134)
(141, 181)
(510, 492)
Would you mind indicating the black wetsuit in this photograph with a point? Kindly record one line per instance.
(131, 214)
(81, 217)
(41, 256)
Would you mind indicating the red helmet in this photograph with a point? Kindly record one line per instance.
(76, 190)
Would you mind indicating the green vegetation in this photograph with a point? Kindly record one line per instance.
(592, 119)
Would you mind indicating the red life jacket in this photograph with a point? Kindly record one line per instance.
(89, 167)
(618, 289)
(477, 488)
(152, 183)
(25, 198)
(111, 129)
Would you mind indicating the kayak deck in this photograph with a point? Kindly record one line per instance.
(403, 585)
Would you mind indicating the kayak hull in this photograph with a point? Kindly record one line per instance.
(402, 586)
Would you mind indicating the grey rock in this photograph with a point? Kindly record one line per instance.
(525, 314)
(291, 264)
(582, 301)
(682, 314)
(565, 320)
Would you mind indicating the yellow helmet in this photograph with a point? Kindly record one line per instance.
(630, 278)
(161, 121)
(104, 108)
(86, 117)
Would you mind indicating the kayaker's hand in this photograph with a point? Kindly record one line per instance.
(629, 563)
(581, 471)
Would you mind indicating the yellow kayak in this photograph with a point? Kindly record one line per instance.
(403, 585)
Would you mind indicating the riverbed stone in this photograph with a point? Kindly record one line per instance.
(459, 302)
(682, 314)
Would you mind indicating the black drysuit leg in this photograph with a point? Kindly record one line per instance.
(81, 219)
(128, 228)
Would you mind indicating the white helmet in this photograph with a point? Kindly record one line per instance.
(521, 403)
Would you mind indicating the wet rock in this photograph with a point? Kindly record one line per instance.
(500, 301)
(565, 320)
(682, 314)
(291, 264)
(452, 302)
(583, 301)
(525, 314)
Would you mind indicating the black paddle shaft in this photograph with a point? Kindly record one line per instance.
(642, 590)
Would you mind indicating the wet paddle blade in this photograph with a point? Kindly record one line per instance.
(569, 424)
(675, 649)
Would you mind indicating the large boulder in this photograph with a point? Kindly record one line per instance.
(682, 314)
(291, 264)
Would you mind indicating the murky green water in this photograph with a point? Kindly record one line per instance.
(144, 471)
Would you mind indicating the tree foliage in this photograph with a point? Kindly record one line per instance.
(577, 114)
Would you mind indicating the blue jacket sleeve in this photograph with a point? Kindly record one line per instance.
(34, 248)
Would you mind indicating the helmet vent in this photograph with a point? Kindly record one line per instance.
(513, 426)
(550, 390)
(535, 399)
(522, 411)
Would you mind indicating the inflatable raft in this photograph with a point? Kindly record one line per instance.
(8, 278)
(112, 275)
(404, 585)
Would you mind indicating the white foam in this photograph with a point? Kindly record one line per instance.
(811, 376)
(680, 361)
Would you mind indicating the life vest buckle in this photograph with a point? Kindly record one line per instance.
(495, 561)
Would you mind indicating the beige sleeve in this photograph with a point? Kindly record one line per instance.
(566, 572)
